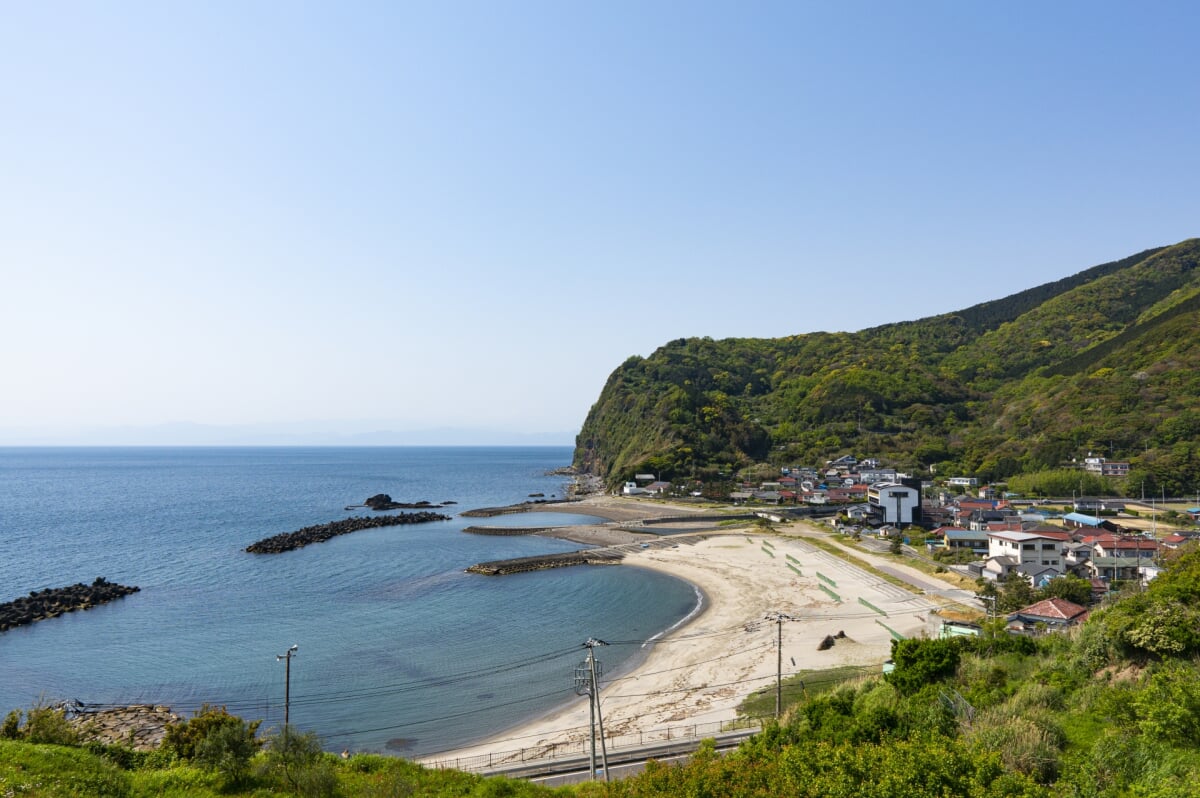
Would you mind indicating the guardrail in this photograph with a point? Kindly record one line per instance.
(574, 748)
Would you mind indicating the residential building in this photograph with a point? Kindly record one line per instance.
(972, 540)
(1054, 613)
(892, 503)
(1042, 548)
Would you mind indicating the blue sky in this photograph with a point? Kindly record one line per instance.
(452, 220)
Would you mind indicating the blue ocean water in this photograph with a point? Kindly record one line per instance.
(396, 642)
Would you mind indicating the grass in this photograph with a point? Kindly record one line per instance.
(51, 771)
(801, 686)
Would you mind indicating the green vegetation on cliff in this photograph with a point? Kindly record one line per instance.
(1106, 361)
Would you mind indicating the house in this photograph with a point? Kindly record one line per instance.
(1081, 521)
(981, 520)
(1077, 555)
(872, 475)
(1106, 468)
(997, 568)
(963, 482)
(858, 512)
(658, 488)
(1177, 539)
(632, 489)
(1041, 548)
(1054, 613)
(965, 539)
(1037, 575)
(1095, 505)
(1117, 557)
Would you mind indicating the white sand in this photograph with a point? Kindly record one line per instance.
(700, 672)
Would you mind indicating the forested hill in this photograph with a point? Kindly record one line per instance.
(1106, 361)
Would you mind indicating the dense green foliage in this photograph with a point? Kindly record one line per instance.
(1105, 361)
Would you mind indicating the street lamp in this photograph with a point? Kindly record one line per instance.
(287, 680)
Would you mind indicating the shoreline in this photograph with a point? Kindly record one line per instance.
(700, 670)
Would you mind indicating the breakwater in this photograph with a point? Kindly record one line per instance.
(288, 541)
(607, 555)
(506, 530)
(52, 602)
(545, 561)
(523, 507)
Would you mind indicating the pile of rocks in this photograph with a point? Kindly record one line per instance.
(322, 532)
(52, 602)
(140, 726)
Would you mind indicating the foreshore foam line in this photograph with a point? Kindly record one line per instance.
(697, 611)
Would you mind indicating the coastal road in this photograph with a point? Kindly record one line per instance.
(626, 762)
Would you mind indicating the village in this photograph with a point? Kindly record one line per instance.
(979, 531)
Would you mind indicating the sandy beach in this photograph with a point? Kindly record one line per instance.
(697, 674)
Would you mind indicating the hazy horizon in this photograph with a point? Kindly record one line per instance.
(414, 217)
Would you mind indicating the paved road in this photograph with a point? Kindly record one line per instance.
(626, 762)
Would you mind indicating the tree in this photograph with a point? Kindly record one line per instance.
(1068, 587)
(1015, 593)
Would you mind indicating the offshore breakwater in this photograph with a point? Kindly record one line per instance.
(53, 602)
(288, 541)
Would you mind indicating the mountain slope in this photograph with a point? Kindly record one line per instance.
(1100, 360)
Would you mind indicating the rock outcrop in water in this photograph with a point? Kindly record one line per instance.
(322, 532)
(52, 602)
(382, 501)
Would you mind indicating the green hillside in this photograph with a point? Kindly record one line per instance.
(1102, 361)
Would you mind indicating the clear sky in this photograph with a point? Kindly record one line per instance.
(455, 219)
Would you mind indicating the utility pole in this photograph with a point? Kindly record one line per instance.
(587, 683)
(779, 618)
(287, 682)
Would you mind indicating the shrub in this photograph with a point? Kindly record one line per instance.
(919, 662)
(296, 761)
(43, 724)
(227, 749)
(184, 739)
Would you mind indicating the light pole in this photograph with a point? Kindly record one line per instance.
(287, 682)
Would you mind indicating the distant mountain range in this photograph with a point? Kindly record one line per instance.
(1106, 361)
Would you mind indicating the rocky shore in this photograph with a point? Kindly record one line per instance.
(288, 541)
(140, 726)
(52, 602)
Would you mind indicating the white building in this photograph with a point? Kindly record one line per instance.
(1033, 548)
(892, 503)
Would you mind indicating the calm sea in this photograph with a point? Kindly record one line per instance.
(396, 643)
